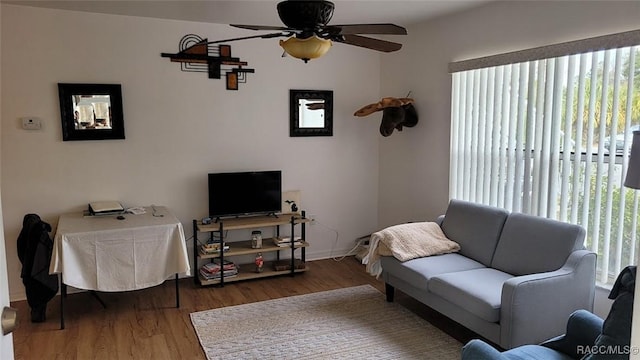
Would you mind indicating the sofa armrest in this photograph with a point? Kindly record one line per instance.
(439, 220)
(583, 328)
(536, 307)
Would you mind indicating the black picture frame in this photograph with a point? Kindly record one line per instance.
(105, 124)
(296, 103)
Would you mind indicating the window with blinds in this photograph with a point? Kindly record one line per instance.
(551, 137)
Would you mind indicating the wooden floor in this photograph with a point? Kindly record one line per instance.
(145, 324)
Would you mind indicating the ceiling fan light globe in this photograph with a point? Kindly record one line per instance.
(306, 49)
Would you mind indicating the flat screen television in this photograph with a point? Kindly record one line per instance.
(245, 193)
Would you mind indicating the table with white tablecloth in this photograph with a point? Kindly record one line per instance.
(104, 253)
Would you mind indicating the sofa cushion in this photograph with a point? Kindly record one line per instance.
(479, 291)
(532, 244)
(475, 227)
(418, 271)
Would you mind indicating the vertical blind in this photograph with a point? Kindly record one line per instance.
(551, 137)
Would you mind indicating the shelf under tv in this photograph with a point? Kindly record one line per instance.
(248, 222)
(244, 248)
(238, 248)
(246, 272)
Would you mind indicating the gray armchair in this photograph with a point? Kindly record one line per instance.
(587, 336)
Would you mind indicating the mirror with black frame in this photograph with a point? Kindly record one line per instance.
(311, 113)
(91, 111)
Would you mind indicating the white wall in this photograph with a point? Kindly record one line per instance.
(179, 125)
(414, 165)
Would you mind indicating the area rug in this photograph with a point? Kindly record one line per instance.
(350, 323)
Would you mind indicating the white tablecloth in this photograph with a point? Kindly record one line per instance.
(106, 254)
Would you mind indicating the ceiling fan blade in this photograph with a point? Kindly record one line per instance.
(262, 27)
(263, 36)
(387, 29)
(369, 43)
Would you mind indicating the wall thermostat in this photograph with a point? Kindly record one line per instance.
(31, 123)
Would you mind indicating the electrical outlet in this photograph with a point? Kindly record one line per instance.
(363, 240)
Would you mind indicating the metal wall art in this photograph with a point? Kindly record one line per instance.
(200, 55)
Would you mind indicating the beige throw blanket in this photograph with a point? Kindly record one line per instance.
(406, 242)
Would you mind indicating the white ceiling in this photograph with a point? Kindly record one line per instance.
(262, 12)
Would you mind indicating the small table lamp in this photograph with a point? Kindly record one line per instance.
(633, 181)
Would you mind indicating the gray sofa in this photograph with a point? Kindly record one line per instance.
(515, 280)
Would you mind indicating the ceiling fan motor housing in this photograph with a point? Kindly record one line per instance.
(305, 15)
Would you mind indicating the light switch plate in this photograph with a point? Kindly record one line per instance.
(31, 123)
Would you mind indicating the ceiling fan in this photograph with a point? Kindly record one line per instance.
(310, 35)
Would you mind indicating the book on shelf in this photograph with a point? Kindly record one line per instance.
(286, 241)
(226, 262)
(288, 244)
(281, 265)
(214, 267)
(213, 248)
(216, 276)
